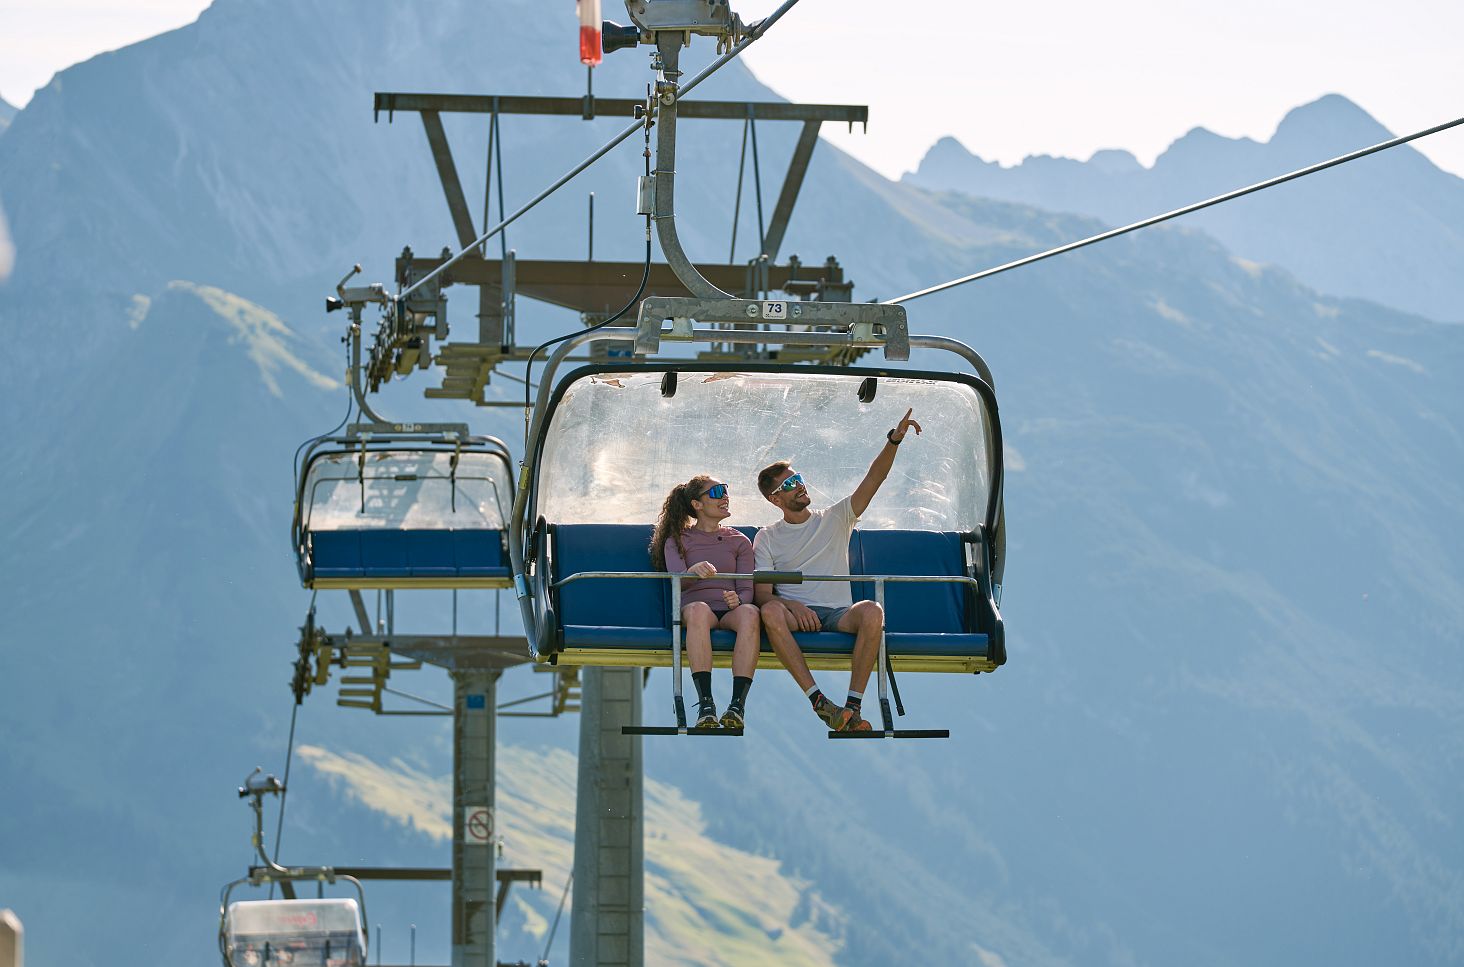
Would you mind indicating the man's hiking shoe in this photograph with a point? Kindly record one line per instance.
(732, 718)
(706, 717)
(848, 720)
(829, 712)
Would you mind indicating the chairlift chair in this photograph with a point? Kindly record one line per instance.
(379, 508)
(319, 932)
(606, 442)
(326, 932)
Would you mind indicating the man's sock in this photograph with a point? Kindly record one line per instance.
(854, 701)
(740, 685)
(813, 695)
(703, 682)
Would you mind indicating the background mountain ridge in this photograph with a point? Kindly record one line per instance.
(1333, 229)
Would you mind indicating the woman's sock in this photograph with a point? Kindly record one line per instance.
(703, 682)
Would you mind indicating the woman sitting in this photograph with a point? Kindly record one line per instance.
(706, 548)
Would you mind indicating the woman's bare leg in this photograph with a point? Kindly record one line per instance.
(699, 621)
(746, 620)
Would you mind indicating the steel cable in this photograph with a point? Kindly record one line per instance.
(1156, 219)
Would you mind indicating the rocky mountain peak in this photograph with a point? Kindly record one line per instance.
(1330, 119)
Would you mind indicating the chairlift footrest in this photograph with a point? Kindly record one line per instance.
(673, 730)
(894, 734)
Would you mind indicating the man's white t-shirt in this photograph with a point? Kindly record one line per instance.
(819, 545)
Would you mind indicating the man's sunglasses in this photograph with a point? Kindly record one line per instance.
(716, 492)
(792, 483)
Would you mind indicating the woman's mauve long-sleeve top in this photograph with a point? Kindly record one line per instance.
(726, 550)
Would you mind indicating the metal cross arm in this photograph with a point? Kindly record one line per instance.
(391, 102)
(589, 287)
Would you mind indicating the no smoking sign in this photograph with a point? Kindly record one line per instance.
(477, 825)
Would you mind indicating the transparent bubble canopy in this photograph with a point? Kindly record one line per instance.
(304, 933)
(407, 490)
(616, 445)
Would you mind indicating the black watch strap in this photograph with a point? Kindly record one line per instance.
(890, 436)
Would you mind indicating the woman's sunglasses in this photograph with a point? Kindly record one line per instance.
(716, 492)
(792, 483)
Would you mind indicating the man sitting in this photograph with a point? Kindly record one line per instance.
(817, 542)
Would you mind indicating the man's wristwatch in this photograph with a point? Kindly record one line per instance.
(890, 436)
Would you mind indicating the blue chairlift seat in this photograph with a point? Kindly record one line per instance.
(623, 621)
(404, 514)
(374, 558)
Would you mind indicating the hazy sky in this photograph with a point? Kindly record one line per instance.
(1064, 77)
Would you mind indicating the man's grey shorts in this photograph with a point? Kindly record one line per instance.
(828, 618)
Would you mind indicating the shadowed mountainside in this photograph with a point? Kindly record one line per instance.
(1233, 599)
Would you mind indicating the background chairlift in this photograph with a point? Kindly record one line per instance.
(297, 933)
(607, 441)
(385, 509)
(319, 932)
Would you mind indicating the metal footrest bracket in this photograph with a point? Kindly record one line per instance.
(673, 730)
(894, 734)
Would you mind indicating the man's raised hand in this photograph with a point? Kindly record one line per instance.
(906, 424)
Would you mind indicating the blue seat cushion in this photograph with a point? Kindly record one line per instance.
(631, 603)
(617, 636)
(815, 643)
(365, 553)
(336, 553)
(925, 608)
(897, 643)
(430, 553)
(479, 553)
(384, 554)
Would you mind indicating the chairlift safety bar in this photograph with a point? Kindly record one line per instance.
(882, 666)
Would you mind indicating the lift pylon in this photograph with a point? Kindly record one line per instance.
(608, 926)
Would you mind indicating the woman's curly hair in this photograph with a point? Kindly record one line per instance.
(676, 513)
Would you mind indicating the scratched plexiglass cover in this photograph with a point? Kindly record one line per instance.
(616, 446)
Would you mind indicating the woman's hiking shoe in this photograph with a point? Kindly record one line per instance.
(848, 720)
(732, 718)
(706, 717)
